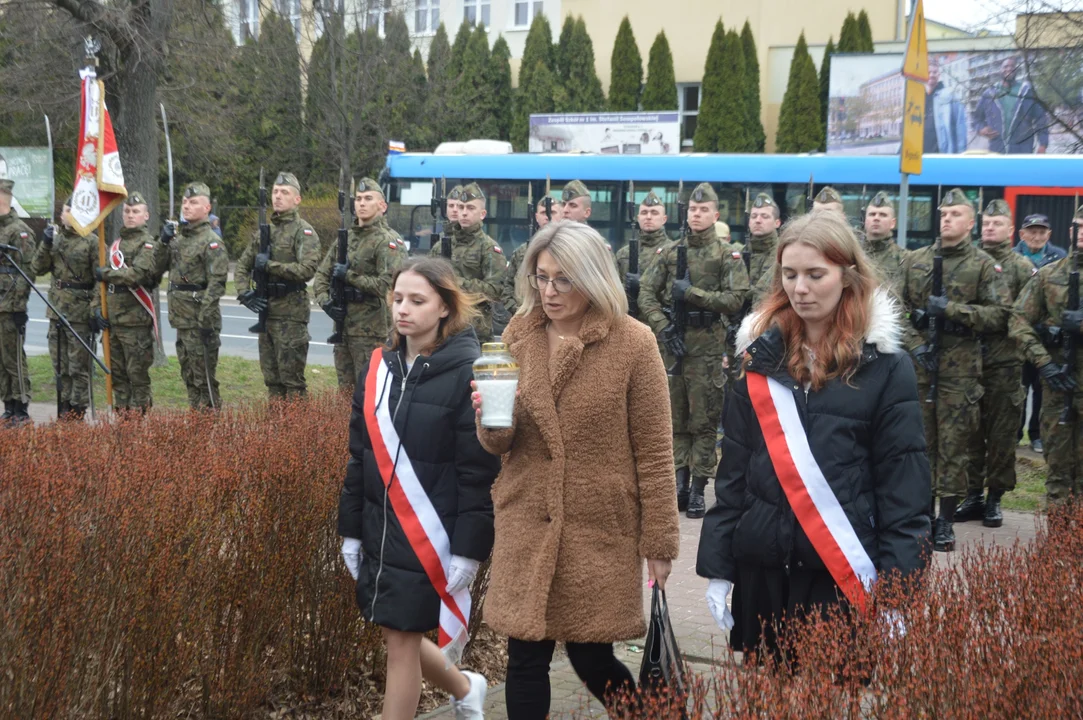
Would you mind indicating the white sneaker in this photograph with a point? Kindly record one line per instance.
(473, 704)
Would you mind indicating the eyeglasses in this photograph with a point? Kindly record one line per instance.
(560, 284)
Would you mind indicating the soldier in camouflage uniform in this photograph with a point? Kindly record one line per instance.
(764, 220)
(717, 287)
(974, 302)
(71, 259)
(652, 238)
(507, 294)
(198, 266)
(829, 199)
(292, 262)
(1039, 323)
(880, 245)
(14, 292)
(576, 202)
(478, 260)
(373, 254)
(131, 277)
(992, 452)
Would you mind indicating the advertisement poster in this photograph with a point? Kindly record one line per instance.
(32, 171)
(631, 133)
(1008, 102)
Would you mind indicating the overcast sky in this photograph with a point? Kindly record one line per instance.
(996, 15)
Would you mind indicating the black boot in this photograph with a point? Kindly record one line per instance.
(993, 517)
(64, 410)
(972, 508)
(944, 534)
(682, 489)
(22, 414)
(77, 413)
(9, 412)
(697, 506)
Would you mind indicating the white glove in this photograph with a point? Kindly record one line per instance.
(717, 592)
(896, 626)
(461, 573)
(351, 553)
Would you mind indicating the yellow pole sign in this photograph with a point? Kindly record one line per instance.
(913, 134)
(916, 63)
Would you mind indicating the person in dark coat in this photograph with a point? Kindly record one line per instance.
(1010, 116)
(436, 485)
(824, 351)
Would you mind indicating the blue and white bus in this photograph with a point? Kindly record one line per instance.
(1030, 183)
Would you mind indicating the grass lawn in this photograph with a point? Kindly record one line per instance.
(1029, 493)
(239, 379)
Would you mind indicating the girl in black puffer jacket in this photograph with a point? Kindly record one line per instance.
(824, 480)
(416, 513)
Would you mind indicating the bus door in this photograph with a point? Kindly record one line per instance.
(1058, 204)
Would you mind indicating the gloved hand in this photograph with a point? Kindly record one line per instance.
(896, 626)
(461, 573)
(674, 344)
(338, 272)
(169, 231)
(206, 334)
(101, 274)
(261, 262)
(717, 592)
(335, 312)
(20, 319)
(631, 283)
(48, 236)
(253, 302)
(351, 553)
(1071, 321)
(97, 322)
(246, 296)
(1057, 378)
(924, 356)
(937, 306)
(680, 289)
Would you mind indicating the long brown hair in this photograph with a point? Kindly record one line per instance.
(462, 306)
(837, 352)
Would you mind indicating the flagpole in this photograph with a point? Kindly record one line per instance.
(106, 352)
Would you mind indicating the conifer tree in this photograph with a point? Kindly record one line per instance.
(799, 126)
(562, 51)
(849, 42)
(712, 102)
(499, 82)
(752, 97)
(660, 92)
(583, 88)
(538, 50)
(825, 86)
(439, 113)
(458, 48)
(472, 103)
(626, 71)
(864, 33)
(734, 126)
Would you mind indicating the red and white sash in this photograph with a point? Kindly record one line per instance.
(116, 261)
(813, 502)
(415, 512)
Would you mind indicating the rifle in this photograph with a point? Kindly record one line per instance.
(548, 201)
(1071, 339)
(531, 216)
(260, 276)
(338, 287)
(678, 312)
(936, 325)
(980, 215)
(809, 195)
(445, 241)
(633, 250)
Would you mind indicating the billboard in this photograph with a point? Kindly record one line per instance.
(1010, 102)
(32, 171)
(627, 133)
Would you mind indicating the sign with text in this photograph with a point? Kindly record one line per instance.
(913, 134)
(627, 133)
(32, 170)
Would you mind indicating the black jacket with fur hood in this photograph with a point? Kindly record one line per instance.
(867, 437)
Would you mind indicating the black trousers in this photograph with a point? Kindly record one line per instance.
(527, 690)
(1032, 381)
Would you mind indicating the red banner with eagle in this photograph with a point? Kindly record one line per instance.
(99, 179)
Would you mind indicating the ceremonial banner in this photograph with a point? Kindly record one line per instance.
(99, 179)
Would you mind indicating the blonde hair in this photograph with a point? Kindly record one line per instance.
(585, 260)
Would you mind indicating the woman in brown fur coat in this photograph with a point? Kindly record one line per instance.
(586, 490)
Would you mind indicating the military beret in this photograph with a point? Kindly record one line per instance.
(828, 195)
(652, 200)
(763, 200)
(135, 198)
(197, 189)
(955, 196)
(998, 207)
(456, 193)
(288, 178)
(6, 186)
(703, 193)
(367, 184)
(472, 192)
(881, 199)
(1078, 213)
(573, 190)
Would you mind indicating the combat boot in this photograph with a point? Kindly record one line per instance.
(77, 413)
(63, 410)
(9, 414)
(972, 508)
(993, 517)
(697, 506)
(944, 534)
(22, 415)
(683, 475)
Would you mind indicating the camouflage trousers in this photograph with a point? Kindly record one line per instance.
(950, 424)
(195, 370)
(12, 362)
(283, 352)
(1061, 446)
(74, 363)
(695, 401)
(352, 355)
(992, 451)
(131, 350)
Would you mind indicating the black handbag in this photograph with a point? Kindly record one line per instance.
(663, 667)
